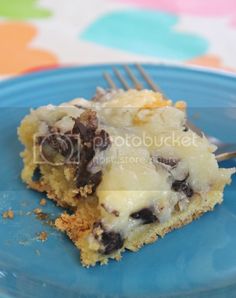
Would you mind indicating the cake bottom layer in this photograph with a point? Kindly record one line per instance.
(79, 225)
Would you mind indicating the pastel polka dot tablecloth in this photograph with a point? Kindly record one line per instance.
(39, 34)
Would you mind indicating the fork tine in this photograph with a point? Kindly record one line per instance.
(225, 156)
(109, 80)
(147, 78)
(121, 79)
(136, 82)
(155, 88)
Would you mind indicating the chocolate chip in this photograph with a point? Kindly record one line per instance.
(101, 140)
(176, 185)
(82, 177)
(95, 180)
(187, 190)
(79, 127)
(86, 154)
(37, 174)
(168, 161)
(183, 185)
(39, 140)
(86, 125)
(87, 134)
(97, 224)
(185, 128)
(112, 241)
(86, 178)
(91, 139)
(81, 107)
(58, 142)
(146, 215)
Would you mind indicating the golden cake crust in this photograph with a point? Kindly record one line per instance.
(79, 226)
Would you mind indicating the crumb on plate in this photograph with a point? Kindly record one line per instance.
(43, 202)
(43, 236)
(37, 210)
(8, 214)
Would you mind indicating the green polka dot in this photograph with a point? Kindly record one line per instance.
(22, 9)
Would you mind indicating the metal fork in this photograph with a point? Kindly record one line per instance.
(139, 86)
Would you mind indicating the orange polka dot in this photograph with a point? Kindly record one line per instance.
(16, 53)
(210, 61)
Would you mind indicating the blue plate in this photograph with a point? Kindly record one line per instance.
(197, 260)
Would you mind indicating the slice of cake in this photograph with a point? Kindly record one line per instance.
(126, 165)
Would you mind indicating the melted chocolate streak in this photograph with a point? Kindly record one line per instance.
(86, 126)
(91, 139)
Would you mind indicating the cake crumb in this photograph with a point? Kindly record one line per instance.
(40, 214)
(37, 210)
(86, 190)
(8, 214)
(43, 202)
(181, 105)
(43, 236)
